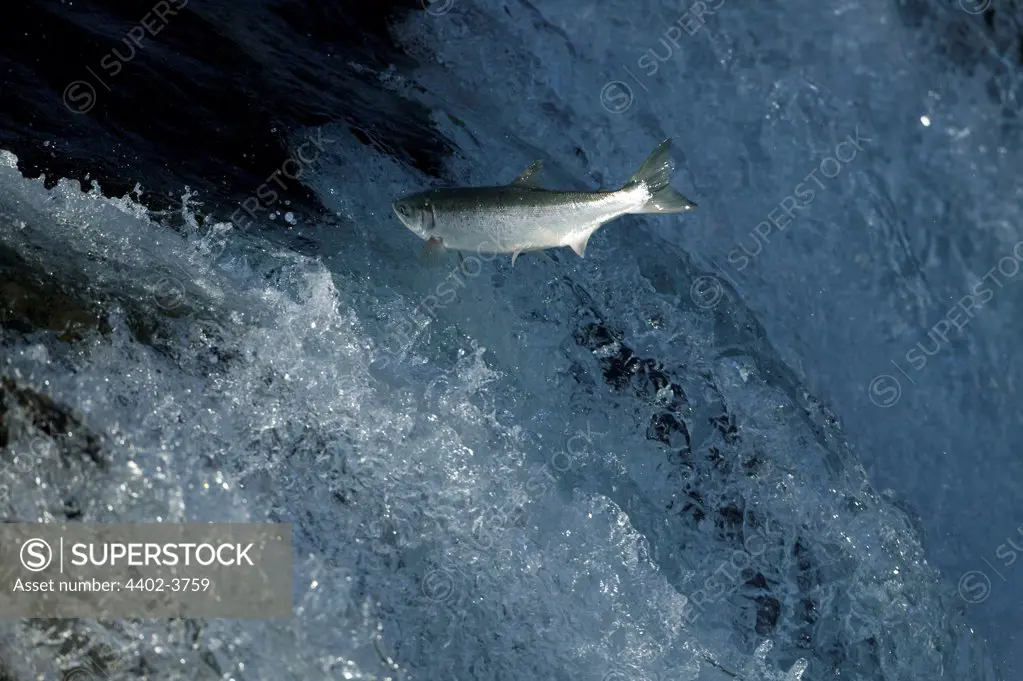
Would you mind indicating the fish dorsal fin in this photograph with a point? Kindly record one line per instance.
(529, 178)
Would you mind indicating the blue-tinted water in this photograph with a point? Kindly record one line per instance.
(738, 443)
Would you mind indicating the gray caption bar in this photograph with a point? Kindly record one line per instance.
(145, 570)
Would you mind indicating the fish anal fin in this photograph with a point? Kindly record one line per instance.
(579, 245)
(580, 239)
(530, 176)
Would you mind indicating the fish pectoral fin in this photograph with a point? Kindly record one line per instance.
(529, 177)
(515, 255)
(432, 248)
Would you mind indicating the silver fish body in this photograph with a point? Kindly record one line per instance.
(523, 216)
(514, 219)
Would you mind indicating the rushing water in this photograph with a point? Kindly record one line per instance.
(658, 462)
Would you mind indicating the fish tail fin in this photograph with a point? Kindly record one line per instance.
(655, 174)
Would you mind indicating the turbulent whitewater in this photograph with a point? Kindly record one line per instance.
(628, 467)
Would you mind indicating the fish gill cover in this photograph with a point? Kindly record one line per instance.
(613, 468)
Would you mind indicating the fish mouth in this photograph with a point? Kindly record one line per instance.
(401, 218)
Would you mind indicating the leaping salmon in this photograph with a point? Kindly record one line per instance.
(523, 216)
